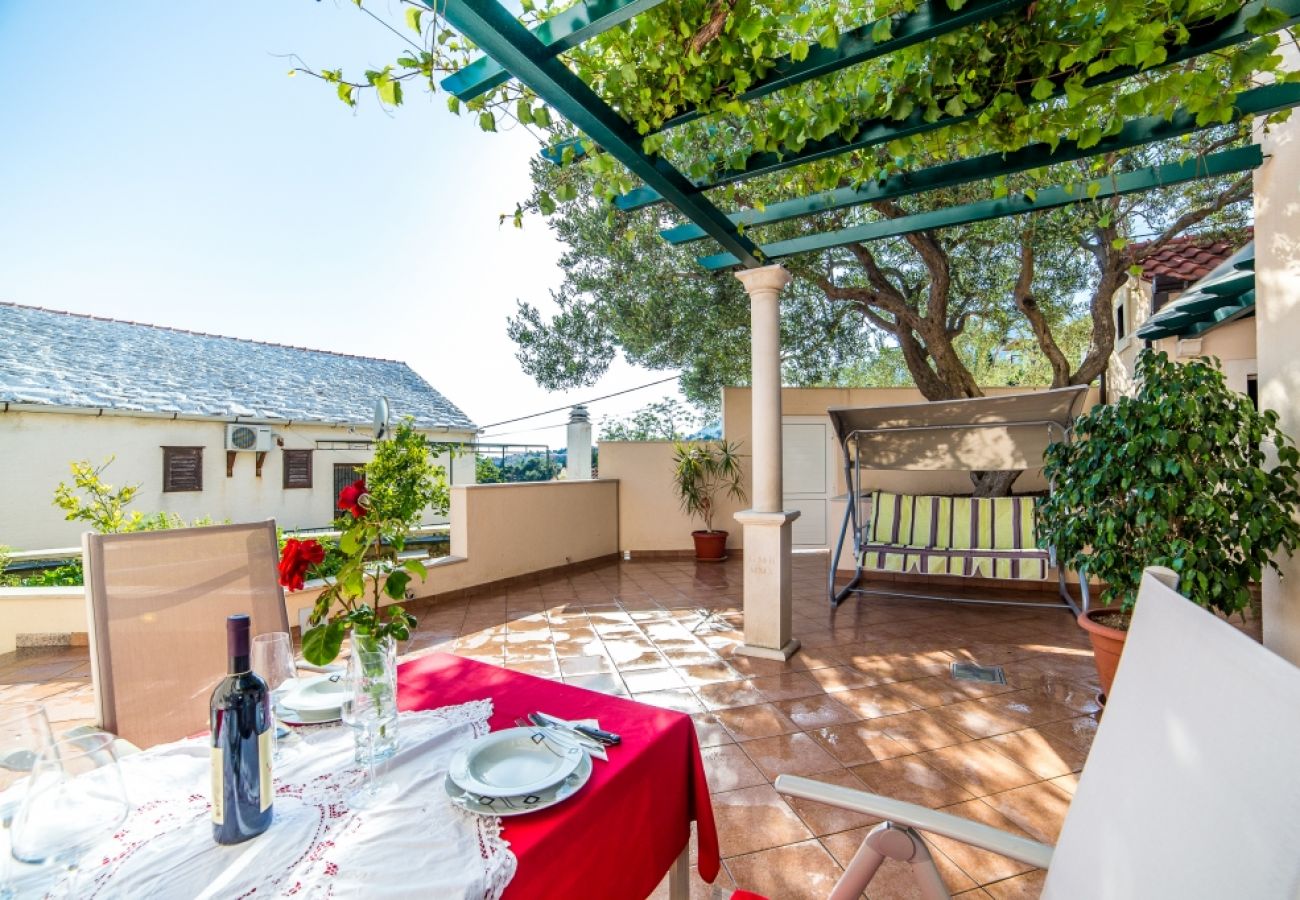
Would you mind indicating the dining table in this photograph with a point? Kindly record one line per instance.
(629, 825)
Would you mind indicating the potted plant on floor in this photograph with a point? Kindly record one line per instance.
(701, 472)
(1177, 475)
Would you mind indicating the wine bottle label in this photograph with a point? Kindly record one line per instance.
(218, 787)
(265, 750)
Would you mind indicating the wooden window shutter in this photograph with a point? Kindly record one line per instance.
(182, 468)
(297, 468)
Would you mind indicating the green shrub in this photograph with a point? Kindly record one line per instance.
(1175, 476)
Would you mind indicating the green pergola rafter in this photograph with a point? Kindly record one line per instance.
(533, 58)
(856, 45)
(1226, 162)
(491, 26)
(1135, 133)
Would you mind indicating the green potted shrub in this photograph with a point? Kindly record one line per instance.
(701, 472)
(1178, 476)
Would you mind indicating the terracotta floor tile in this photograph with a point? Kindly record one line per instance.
(709, 731)
(894, 879)
(1038, 809)
(1067, 783)
(755, 818)
(749, 723)
(823, 819)
(803, 871)
(875, 701)
(722, 888)
(753, 667)
(628, 656)
(641, 680)
(859, 742)
(910, 779)
(979, 767)
(579, 647)
(677, 699)
(819, 711)
(790, 754)
(1002, 713)
(708, 673)
(586, 665)
(696, 655)
(728, 768)
(981, 865)
(729, 695)
(604, 683)
(541, 667)
(919, 731)
(1045, 754)
(1028, 886)
(841, 678)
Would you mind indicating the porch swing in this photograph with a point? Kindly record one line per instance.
(931, 534)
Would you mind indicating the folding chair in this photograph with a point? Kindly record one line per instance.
(1192, 788)
(156, 606)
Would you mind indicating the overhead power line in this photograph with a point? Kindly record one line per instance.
(547, 412)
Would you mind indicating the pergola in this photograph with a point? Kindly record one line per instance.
(534, 59)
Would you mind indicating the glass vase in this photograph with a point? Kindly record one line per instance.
(372, 670)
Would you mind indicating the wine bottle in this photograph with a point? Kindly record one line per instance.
(241, 745)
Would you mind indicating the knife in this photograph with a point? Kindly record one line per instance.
(608, 738)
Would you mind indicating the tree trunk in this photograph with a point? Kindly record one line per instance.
(993, 484)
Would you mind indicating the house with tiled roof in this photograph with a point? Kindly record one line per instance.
(207, 425)
(1194, 297)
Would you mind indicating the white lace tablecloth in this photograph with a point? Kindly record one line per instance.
(416, 845)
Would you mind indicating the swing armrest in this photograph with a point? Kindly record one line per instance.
(977, 834)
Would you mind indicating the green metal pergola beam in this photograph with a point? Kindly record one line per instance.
(1135, 133)
(1224, 163)
(1225, 32)
(559, 33)
(931, 19)
(492, 27)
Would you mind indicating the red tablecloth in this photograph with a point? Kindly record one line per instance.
(620, 834)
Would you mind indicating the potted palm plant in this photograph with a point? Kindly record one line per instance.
(1177, 476)
(701, 473)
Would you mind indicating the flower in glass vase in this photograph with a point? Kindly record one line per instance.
(381, 509)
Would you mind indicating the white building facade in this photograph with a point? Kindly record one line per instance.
(160, 403)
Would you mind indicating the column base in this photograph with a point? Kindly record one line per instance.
(768, 603)
(780, 655)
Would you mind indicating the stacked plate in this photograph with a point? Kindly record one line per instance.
(516, 771)
(313, 701)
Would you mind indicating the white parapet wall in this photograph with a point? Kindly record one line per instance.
(498, 532)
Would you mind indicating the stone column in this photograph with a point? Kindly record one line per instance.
(1277, 328)
(577, 465)
(766, 525)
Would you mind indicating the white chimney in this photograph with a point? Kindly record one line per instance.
(578, 464)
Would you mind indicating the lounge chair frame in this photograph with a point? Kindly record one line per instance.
(1059, 427)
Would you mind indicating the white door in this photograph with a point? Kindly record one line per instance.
(807, 476)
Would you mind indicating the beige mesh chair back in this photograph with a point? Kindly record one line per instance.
(157, 603)
(1191, 789)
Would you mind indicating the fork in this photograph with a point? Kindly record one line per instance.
(560, 737)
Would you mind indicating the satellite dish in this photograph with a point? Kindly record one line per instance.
(381, 418)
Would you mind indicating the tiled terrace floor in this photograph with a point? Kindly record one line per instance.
(868, 702)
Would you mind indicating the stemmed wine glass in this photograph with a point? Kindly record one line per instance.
(75, 799)
(24, 735)
(272, 659)
(360, 712)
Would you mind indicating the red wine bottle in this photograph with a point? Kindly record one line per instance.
(241, 745)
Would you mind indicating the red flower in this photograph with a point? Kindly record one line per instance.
(296, 558)
(354, 498)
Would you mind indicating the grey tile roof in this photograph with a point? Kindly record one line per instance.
(63, 359)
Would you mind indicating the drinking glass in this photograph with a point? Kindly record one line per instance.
(75, 799)
(24, 735)
(272, 658)
(360, 712)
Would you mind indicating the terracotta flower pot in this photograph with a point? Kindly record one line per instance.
(710, 546)
(1107, 643)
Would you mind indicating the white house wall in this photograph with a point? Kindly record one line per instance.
(37, 448)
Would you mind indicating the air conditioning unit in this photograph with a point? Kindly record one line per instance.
(248, 437)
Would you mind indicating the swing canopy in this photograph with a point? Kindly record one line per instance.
(1004, 432)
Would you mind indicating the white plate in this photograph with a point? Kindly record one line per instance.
(514, 762)
(287, 716)
(518, 806)
(317, 696)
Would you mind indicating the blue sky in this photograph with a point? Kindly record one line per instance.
(157, 164)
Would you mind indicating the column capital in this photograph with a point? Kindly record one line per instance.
(766, 278)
